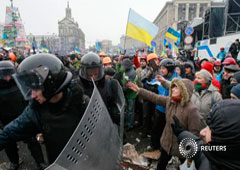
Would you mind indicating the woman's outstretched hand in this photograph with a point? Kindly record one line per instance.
(133, 86)
(160, 78)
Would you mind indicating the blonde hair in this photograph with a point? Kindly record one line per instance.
(204, 74)
(197, 74)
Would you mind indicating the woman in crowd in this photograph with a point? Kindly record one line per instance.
(189, 70)
(205, 94)
(177, 103)
(179, 68)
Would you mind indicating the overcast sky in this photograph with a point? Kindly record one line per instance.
(99, 19)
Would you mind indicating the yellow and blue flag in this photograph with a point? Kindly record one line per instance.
(140, 28)
(44, 49)
(166, 42)
(172, 34)
(120, 49)
(77, 50)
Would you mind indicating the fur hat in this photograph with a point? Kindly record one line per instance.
(186, 87)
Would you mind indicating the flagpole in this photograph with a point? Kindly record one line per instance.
(126, 32)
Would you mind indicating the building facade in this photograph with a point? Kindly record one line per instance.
(129, 42)
(106, 45)
(70, 34)
(53, 42)
(179, 11)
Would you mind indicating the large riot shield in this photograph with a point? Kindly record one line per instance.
(96, 143)
(120, 102)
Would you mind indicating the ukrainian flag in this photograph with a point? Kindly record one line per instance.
(172, 34)
(45, 49)
(140, 29)
(77, 50)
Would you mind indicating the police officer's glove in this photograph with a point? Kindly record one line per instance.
(86, 99)
(177, 127)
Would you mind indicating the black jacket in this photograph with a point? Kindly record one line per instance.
(109, 93)
(57, 122)
(234, 50)
(225, 88)
(11, 102)
(223, 120)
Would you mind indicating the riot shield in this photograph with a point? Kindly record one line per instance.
(96, 143)
(120, 102)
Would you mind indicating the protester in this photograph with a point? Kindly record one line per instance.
(217, 68)
(107, 62)
(179, 68)
(222, 131)
(209, 67)
(205, 94)
(102, 55)
(147, 75)
(168, 52)
(178, 103)
(229, 68)
(234, 49)
(167, 72)
(129, 75)
(235, 78)
(189, 70)
(235, 92)
(221, 55)
(142, 73)
(74, 61)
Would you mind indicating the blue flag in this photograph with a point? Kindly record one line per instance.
(77, 50)
(165, 42)
(98, 46)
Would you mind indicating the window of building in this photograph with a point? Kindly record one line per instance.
(202, 9)
(181, 12)
(192, 11)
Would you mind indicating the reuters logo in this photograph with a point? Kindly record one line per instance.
(188, 148)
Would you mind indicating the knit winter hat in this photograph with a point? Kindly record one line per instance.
(236, 90)
(208, 66)
(127, 64)
(236, 76)
(205, 74)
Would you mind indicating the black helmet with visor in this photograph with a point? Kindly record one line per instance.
(91, 67)
(44, 72)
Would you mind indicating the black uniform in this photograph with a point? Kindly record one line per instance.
(12, 105)
(56, 121)
(91, 65)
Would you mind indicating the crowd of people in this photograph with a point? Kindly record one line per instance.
(43, 98)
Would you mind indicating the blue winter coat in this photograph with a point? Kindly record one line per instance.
(164, 92)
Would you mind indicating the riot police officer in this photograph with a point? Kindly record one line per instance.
(92, 69)
(12, 105)
(56, 104)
